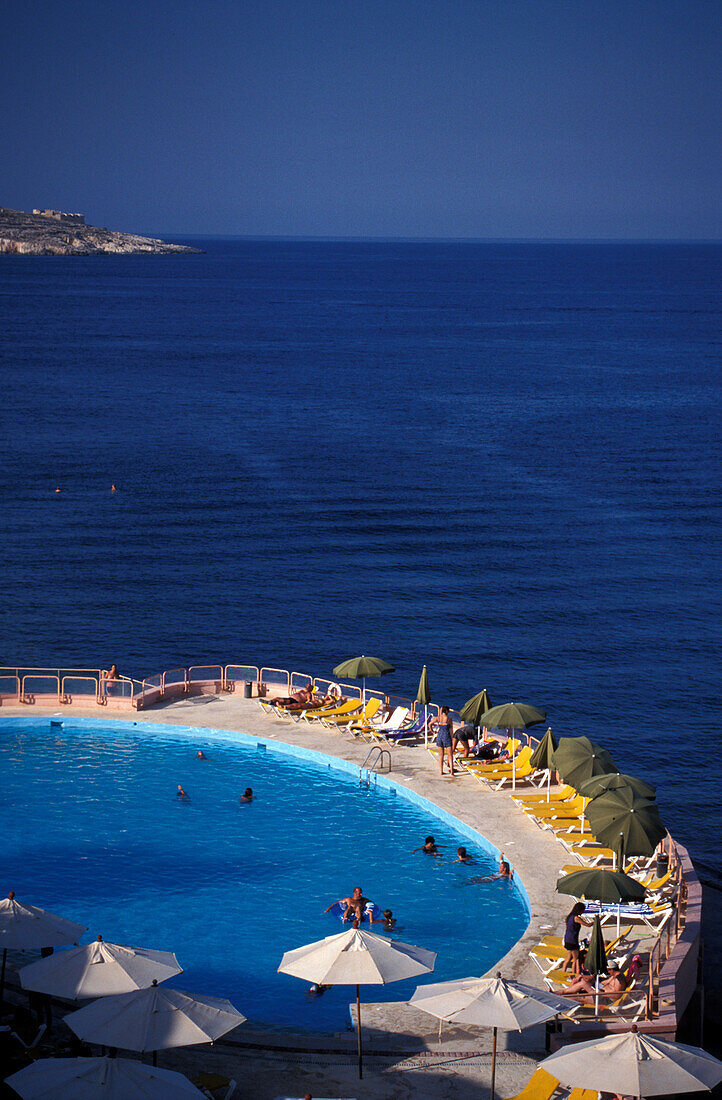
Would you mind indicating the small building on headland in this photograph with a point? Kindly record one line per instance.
(61, 216)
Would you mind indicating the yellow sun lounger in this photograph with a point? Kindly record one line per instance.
(340, 721)
(541, 1086)
(572, 808)
(351, 706)
(560, 797)
(547, 956)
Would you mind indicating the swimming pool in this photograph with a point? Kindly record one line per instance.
(93, 830)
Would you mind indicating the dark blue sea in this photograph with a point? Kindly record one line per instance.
(498, 459)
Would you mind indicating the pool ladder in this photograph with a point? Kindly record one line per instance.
(373, 759)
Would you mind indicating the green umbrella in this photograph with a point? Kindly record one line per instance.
(358, 668)
(542, 757)
(473, 709)
(577, 759)
(612, 781)
(598, 884)
(596, 957)
(622, 820)
(512, 716)
(423, 696)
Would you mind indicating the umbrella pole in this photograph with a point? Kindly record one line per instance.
(358, 1028)
(426, 727)
(549, 784)
(2, 976)
(493, 1065)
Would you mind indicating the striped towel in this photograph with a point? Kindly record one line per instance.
(630, 909)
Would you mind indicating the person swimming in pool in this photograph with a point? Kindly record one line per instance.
(354, 906)
(504, 872)
(200, 755)
(389, 920)
(429, 846)
(180, 793)
(247, 795)
(462, 856)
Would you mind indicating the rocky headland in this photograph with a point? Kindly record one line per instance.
(58, 234)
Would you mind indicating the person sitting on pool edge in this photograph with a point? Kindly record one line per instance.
(247, 795)
(429, 846)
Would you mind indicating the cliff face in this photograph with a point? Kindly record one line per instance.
(35, 234)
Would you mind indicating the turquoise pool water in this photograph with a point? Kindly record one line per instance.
(92, 829)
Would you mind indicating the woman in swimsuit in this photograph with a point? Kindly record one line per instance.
(444, 739)
(571, 938)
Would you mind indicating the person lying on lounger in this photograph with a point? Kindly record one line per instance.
(617, 981)
(303, 695)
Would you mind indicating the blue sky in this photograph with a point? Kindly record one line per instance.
(432, 118)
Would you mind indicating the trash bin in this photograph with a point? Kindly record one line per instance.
(662, 864)
(247, 689)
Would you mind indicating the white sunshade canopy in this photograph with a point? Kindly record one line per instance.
(27, 928)
(99, 969)
(635, 1065)
(99, 1079)
(490, 1002)
(154, 1019)
(357, 957)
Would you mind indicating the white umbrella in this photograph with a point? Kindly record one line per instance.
(27, 928)
(99, 969)
(154, 1019)
(635, 1065)
(490, 1002)
(99, 1079)
(357, 958)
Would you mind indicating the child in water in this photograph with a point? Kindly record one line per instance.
(429, 846)
(247, 795)
(389, 920)
(463, 856)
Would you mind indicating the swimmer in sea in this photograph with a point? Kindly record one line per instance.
(200, 755)
(504, 871)
(180, 793)
(247, 795)
(429, 846)
(389, 920)
(462, 856)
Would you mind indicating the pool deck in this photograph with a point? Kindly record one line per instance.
(403, 1054)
